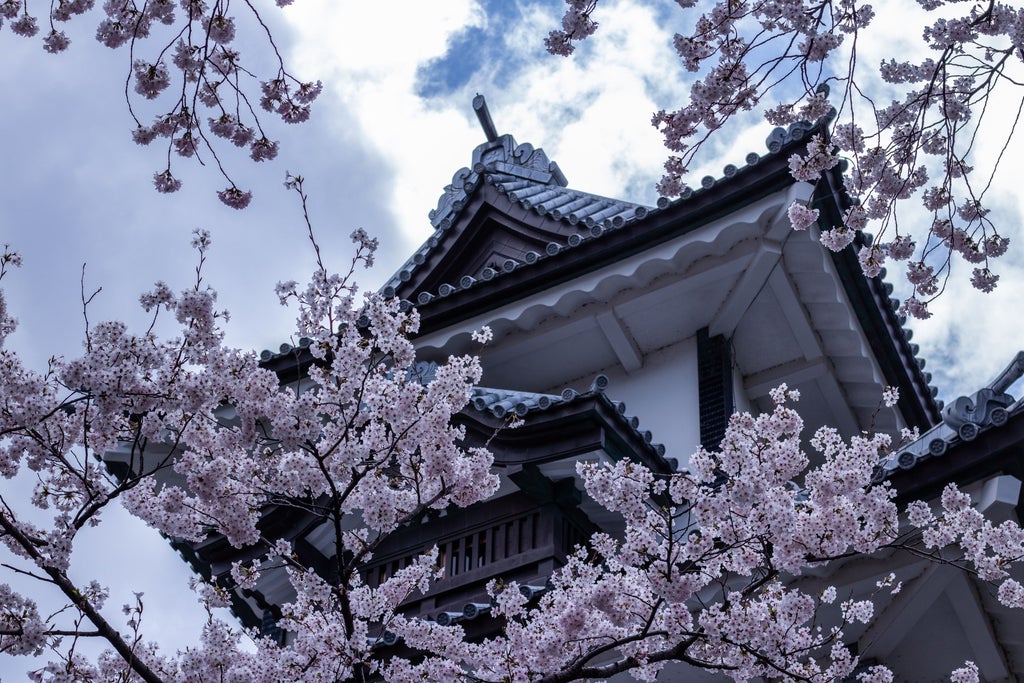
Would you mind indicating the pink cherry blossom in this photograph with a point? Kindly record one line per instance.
(369, 445)
(151, 79)
(25, 25)
(984, 279)
(263, 149)
(220, 28)
(235, 198)
(837, 239)
(802, 216)
(189, 66)
(56, 41)
(165, 182)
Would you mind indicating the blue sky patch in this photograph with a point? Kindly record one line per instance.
(475, 49)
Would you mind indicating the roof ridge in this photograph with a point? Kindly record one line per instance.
(522, 172)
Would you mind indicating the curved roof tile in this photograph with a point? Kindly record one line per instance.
(962, 421)
(524, 174)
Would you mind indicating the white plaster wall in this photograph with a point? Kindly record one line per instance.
(663, 394)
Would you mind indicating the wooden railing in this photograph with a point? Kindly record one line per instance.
(513, 538)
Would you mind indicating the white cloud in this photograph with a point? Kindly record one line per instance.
(368, 55)
(591, 112)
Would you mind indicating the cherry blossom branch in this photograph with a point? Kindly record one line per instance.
(194, 49)
(921, 144)
(72, 593)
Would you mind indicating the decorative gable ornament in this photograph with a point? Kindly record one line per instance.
(500, 154)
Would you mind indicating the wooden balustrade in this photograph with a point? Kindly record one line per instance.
(513, 538)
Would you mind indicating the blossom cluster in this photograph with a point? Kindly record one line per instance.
(576, 25)
(202, 64)
(208, 438)
(702, 572)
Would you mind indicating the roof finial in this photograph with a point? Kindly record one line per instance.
(484, 116)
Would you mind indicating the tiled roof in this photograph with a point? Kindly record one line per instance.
(563, 204)
(284, 350)
(502, 403)
(526, 176)
(963, 420)
(471, 611)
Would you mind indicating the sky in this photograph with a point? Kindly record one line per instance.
(392, 127)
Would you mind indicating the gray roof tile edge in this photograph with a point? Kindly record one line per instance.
(469, 612)
(962, 421)
(504, 403)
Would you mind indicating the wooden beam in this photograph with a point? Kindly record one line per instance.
(892, 626)
(622, 343)
(977, 626)
(795, 314)
(746, 290)
(793, 373)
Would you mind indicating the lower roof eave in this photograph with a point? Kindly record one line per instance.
(586, 424)
(994, 451)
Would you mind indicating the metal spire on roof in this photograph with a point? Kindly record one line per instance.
(484, 116)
